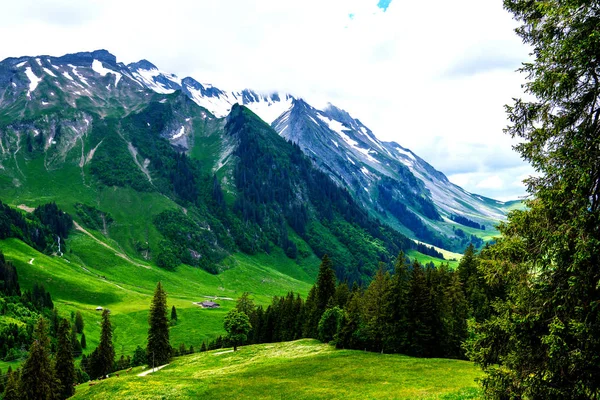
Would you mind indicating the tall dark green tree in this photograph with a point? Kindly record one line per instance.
(64, 363)
(374, 310)
(159, 347)
(543, 340)
(38, 380)
(325, 284)
(396, 303)
(105, 349)
(11, 389)
(173, 314)
(420, 314)
(83, 341)
(79, 325)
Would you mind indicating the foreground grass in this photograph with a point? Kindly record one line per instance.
(304, 369)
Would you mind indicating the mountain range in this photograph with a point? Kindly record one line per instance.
(220, 171)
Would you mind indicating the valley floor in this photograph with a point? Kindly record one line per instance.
(303, 369)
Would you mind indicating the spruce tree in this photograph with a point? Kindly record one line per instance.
(173, 314)
(65, 366)
(325, 284)
(203, 347)
(83, 341)
(106, 350)
(11, 389)
(38, 380)
(395, 304)
(375, 310)
(420, 314)
(74, 342)
(79, 325)
(158, 351)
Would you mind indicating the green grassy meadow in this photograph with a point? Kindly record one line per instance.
(90, 275)
(303, 369)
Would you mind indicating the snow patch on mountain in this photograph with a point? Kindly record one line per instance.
(78, 75)
(99, 68)
(33, 80)
(49, 72)
(179, 134)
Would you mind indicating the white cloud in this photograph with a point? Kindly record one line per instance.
(433, 76)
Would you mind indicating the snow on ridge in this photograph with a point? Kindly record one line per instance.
(78, 75)
(406, 153)
(33, 80)
(98, 67)
(49, 72)
(334, 125)
(367, 154)
(269, 110)
(66, 75)
(217, 106)
(179, 134)
(39, 61)
(147, 75)
(19, 65)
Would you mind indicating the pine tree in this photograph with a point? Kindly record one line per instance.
(65, 366)
(79, 325)
(395, 304)
(420, 314)
(74, 342)
(106, 351)
(12, 390)
(83, 341)
(173, 314)
(37, 376)
(375, 310)
(325, 284)
(139, 357)
(158, 351)
(203, 347)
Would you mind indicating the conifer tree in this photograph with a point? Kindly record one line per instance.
(396, 303)
(420, 314)
(106, 350)
(374, 311)
(12, 390)
(342, 293)
(79, 325)
(74, 342)
(83, 341)
(158, 351)
(37, 376)
(65, 366)
(203, 347)
(325, 285)
(173, 314)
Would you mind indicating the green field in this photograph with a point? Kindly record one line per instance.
(303, 369)
(89, 275)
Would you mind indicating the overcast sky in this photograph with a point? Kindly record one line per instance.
(433, 76)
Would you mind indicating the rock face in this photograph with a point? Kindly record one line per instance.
(48, 104)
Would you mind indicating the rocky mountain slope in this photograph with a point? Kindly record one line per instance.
(176, 183)
(82, 128)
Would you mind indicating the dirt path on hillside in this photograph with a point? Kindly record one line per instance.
(117, 253)
(25, 208)
(151, 370)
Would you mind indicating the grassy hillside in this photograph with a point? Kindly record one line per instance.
(294, 370)
(91, 275)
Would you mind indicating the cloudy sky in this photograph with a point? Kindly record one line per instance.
(433, 76)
